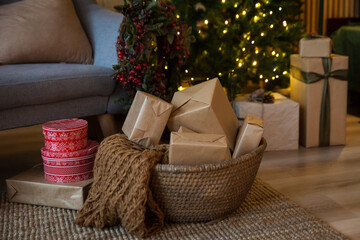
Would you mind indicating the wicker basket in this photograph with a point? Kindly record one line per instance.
(205, 192)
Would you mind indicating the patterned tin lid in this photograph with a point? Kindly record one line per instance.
(65, 124)
(90, 149)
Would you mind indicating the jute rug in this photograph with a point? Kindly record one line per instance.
(265, 214)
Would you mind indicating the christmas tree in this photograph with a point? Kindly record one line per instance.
(241, 40)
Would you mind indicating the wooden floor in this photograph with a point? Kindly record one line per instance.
(326, 181)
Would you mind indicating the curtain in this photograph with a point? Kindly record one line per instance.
(331, 9)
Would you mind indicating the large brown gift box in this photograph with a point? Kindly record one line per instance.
(204, 108)
(322, 102)
(315, 47)
(281, 120)
(146, 119)
(31, 187)
(197, 148)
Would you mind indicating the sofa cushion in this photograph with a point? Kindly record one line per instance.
(38, 31)
(30, 84)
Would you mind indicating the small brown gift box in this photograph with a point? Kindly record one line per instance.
(204, 108)
(322, 102)
(32, 188)
(249, 135)
(315, 47)
(146, 119)
(197, 148)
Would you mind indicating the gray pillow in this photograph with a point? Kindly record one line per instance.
(42, 31)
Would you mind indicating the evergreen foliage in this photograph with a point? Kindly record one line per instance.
(241, 40)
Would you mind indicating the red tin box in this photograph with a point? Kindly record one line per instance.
(70, 158)
(65, 135)
(68, 178)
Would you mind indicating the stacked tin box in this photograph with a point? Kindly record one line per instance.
(68, 155)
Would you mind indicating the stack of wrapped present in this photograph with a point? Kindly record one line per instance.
(68, 156)
(319, 84)
(68, 160)
(202, 122)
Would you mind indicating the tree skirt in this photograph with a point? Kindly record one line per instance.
(265, 214)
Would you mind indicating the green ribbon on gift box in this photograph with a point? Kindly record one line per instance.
(311, 77)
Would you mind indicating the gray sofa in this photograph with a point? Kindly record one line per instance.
(36, 93)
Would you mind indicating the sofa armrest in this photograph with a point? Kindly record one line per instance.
(101, 26)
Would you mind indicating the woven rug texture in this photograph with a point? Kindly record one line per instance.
(265, 214)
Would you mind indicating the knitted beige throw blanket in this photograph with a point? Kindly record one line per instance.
(120, 193)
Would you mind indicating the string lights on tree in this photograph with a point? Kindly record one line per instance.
(241, 40)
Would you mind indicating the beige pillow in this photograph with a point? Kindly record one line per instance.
(42, 31)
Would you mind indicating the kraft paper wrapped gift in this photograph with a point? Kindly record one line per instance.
(184, 129)
(320, 86)
(188, 148)
(281, 120)
(249, 135)
(204, 108)
(146, 119)
(315, 47)
(32, 188)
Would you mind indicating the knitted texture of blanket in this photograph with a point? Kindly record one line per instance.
(120, 193)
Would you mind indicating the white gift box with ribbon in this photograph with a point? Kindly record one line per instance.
(281, 120)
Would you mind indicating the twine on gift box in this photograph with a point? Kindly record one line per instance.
(312, 77)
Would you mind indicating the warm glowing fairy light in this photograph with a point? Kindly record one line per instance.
(220, 74)
(237, 59)
(206, 21)
(271, 12)
(237, 16)
(262, 34)
(166, 67)
(277, 76)
(192, 79)
(272, 25)
(261, 76)
(243, 49)
(273, 78)
(177, 16)
(178, 33)
(186, 71)
(180, 88)
(226, 22)
(256, 51)
(284, 72)
(273, 53)
(284, 23)
(240, 64)
(266, 80)
(225, 31)
(257, 5)
(280, 8)
(254, 63)
(244, 12)
(277, 55)
(252, 42)
(274, 69)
